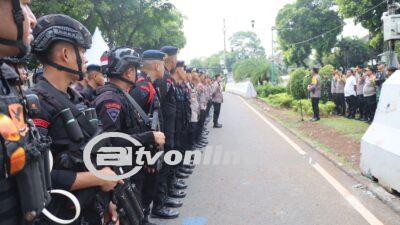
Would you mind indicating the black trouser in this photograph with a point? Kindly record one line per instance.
(370, 107)
(352, 103)
(217, 110)
(209, 104)
(334, 99)
(200, 124)
(361, 105)
(192, 134)
(341, 103)
(149, 190)
(163, 184)
(315, 106)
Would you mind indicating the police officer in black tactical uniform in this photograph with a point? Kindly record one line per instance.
(147, 97)
(60, 43)
(180, 119)
(95, 79)
(23, 183)
(117, 110)
(166, 87)
(183, 117)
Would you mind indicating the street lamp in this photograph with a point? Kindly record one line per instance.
(252, 23)
(272, 56)
(273, 80)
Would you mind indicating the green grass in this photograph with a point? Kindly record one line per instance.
(351, 128)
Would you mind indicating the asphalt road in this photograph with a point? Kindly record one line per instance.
(281, 181)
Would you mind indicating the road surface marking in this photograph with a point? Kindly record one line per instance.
(195, 221)
(351, 199)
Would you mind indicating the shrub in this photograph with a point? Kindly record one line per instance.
(268, 89)
(325, 109)
(303, 105)
(295, 86)
(282, 100)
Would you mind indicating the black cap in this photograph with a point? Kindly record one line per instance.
(392, 69)
(153, 55)
(189, 69)
(169, 50)
(180, 64)
(93, 67)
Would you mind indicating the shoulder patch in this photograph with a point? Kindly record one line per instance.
(113, 114)
(113, 105)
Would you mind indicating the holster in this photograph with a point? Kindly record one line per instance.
(34, 181)
(129, 208)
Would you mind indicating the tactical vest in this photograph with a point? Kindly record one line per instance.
(25, 189)
(134, 123)
(73, 124)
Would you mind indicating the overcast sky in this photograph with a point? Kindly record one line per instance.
(203, 25)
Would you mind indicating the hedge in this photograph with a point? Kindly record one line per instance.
(282, 100)
(295, 86)
(286, 101)
(268, 89)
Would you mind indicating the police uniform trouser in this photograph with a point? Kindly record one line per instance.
(209, 105)
(217, 110)
(341, 103)
(149, 189)
(315, 106)
(371, 107)
(352, 103)
(162, 185)
(192, 134)
(200, 124)
(361, 105)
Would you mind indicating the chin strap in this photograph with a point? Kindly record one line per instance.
(19, 20)
(125, 80)
(69, 70)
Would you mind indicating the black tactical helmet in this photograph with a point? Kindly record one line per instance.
(19, 20)
(121, 59)
(57, 27)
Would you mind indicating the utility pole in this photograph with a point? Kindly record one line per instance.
(272, 56)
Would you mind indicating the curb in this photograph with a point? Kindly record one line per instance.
(378, 191)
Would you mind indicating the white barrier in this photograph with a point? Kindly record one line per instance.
(244, 89)
(380, 146)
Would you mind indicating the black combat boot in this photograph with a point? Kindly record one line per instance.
(173, 203)
(164, 213)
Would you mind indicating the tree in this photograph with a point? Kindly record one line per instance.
(137, 23)
(246, 45)
(349, 52)
(370, 20)
(257, 70)
(297, 24)
(212, 63)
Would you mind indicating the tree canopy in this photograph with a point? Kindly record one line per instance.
(247, 45)
(349, 52)
(303, 20)
(138, 23)
(369, 19)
